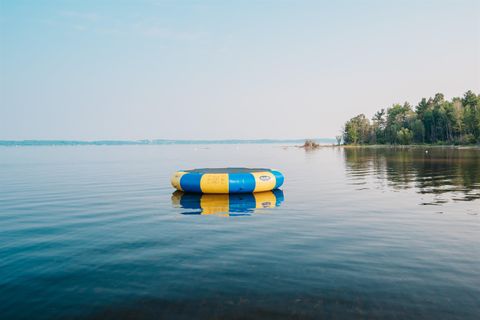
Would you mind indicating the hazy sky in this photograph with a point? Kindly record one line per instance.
(224, 69)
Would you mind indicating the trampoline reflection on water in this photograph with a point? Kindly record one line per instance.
(226, 204)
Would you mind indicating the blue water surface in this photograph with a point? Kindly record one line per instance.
(95, 232)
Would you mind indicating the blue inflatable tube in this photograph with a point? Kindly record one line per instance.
(227, 180)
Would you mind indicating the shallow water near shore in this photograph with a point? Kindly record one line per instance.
(96, 232)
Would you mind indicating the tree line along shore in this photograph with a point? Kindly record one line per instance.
(435, 121)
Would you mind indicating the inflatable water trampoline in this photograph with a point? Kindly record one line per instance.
(227, 180)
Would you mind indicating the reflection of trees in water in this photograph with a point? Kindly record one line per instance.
(434, 170)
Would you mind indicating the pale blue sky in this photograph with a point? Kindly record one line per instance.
(224, 69)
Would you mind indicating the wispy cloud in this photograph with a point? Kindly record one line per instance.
(80, 15)
(134, 25)
(162, 32)
(79, 27)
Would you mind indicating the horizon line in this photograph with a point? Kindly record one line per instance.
(52, 142)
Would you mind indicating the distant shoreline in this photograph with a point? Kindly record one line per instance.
(392, 146)
(320, 143)
(414, 146)
(19, 143)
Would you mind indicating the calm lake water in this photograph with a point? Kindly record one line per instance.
(96, 232)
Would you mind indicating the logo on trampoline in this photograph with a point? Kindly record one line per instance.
(264, 178)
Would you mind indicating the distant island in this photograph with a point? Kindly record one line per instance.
(434, 121)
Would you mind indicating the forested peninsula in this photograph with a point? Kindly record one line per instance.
(432, 121)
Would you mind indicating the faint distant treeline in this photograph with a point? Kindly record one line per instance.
(434, 121)
(147, 142)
